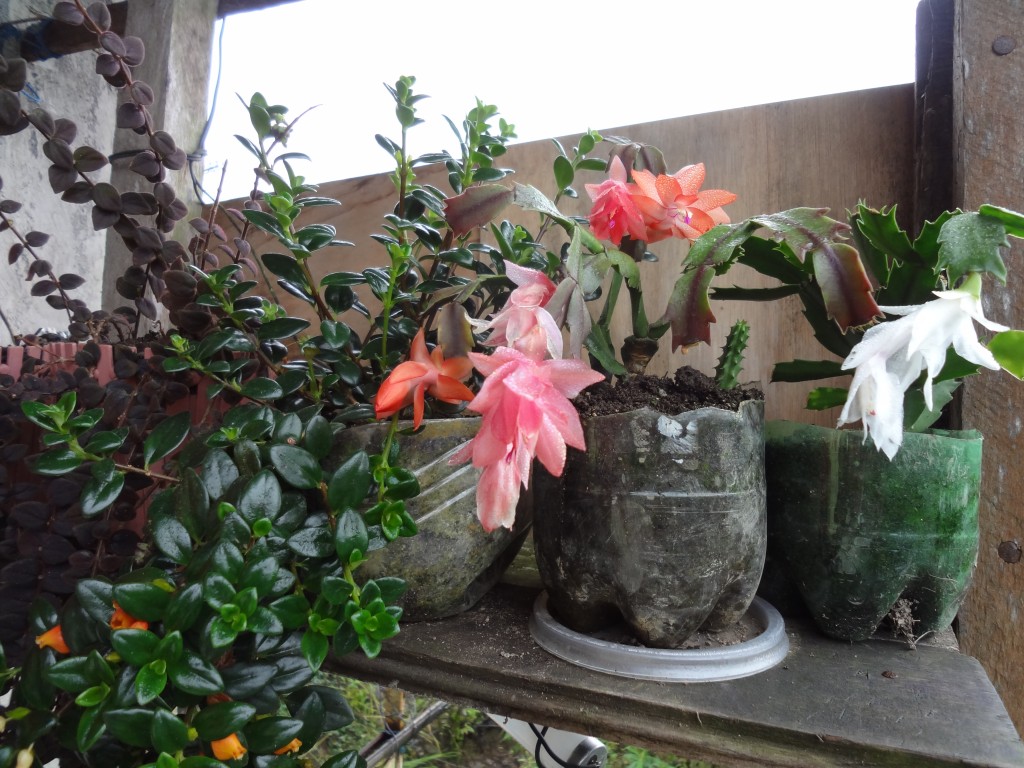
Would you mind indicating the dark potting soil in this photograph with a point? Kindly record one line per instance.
(689, 389)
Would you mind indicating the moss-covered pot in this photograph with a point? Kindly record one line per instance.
(855, 532)
(660, 522)
(452, 562)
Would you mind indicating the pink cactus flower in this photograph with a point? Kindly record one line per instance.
(526, 414)
(524, 312)
(615, 212)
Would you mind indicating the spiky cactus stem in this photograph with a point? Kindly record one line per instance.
(731, 362)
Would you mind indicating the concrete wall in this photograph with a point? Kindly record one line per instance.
(67, 87)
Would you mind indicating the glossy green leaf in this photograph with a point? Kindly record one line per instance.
(132, 726)
(318, 437)
(401, 484)
(90, 697)
(314, 649)
(96, 597)
(391, 588)
(194, 675)
(337, 712)
(183, 608)
(265, 221)
(286, 266)
(90, 728)
(265, 622)
(282, 328)
(349, 759)
(142, 600)
(71, 674)
(218, 721)
(107, 442)
(166, 437)
(261, 497)
(291, 610)
(218, 473)
(350, 534)
(135, 646)
(296, 465)
(261, 388)
(268, 734)
(168, 732)
(350, 482)
(564, 172)
(57, 462)
(102, 489)
(151, 681)
(172, 539)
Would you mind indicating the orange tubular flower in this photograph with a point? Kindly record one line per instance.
(292, 746)
(123, 620)
(53, 638)
(228, 748)
(424, 373)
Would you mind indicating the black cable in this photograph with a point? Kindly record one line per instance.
(542, 743)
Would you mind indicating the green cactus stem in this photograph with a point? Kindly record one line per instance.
(731, 362)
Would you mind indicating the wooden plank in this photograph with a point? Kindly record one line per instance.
(989, 155)
(829, 151)
(827, 704)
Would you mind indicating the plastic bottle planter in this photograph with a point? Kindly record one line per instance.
(452, 562)
(855, 532)
(661, 520)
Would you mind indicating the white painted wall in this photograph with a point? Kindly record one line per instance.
(67, 87)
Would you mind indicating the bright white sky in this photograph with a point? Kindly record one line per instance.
(552, 67)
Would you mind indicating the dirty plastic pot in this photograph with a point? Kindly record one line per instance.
(854, 532)
(451, 562)
(660, 522)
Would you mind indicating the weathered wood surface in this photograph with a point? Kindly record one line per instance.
(828, 151)
(829, 703)
(988, 90)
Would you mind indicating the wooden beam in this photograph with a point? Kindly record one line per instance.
(828, 703)
(228, 7)
(988, 147)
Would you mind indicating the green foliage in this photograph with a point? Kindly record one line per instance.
(236, 610)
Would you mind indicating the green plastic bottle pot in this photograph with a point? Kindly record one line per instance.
(856, 532)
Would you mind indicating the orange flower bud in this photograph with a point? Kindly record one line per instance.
(53, 638)
(228, 748)
(123, 620)
(292, 746)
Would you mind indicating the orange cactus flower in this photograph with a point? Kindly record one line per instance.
(675, 206)
(123, 620)
(53, 638)
(228, 748)
(292, 746)
(425, 372)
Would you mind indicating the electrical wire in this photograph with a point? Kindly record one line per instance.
(540, 733)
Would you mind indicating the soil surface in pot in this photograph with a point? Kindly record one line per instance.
(687, 390)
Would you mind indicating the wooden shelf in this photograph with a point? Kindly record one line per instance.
(876, 703)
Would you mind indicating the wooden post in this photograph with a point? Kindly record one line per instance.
(988, 146)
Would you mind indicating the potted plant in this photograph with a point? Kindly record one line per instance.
(248, 565)
(665, 486)
(862, 528)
